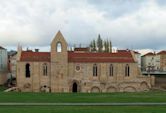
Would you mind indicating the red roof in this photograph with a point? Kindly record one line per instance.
(162, 52)
(119, 57)
(35, 56)
(81, 49)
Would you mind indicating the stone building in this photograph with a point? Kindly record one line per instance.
(61, 70)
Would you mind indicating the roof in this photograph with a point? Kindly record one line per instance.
(12, 53)
(149, 54)
(81, 49)
(35, 56)
(136, 52)
(119, 57)
(162, 52)
(1, 47)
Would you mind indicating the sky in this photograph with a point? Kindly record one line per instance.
(131, 24)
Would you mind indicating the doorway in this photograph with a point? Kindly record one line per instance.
(75, 88)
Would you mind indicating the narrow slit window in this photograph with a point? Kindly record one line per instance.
(111, 70)
(94, 70)
(27, 71)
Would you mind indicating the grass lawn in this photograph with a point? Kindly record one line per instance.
(83, 97)
(2, 88)
(84, 109)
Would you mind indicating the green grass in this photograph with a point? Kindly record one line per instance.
(83, 97)
(2, 88)
(84, 109)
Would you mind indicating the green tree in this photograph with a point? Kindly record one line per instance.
(110, 47)
(99, 44)
(94, 45)
(105, 46)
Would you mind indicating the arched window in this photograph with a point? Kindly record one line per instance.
(27, 71)
(111, 70)
(59, 47)
(45, 69)
(127, 70)
(94, 70)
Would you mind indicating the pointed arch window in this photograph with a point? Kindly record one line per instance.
(27, 71)
(127, 70)
(59, 47)
(94, 70)
(45, 69)
(111, 70)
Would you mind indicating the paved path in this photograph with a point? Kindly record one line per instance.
(83, 104)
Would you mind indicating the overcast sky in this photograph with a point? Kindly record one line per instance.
(134, 24)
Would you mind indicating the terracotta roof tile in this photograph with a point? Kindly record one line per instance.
(81, 49)
(120, 57)
(162, 52)
(149, 54)
(35, 56)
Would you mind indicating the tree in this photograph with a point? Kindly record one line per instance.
(110, 47)
(99, 44)
(105, 46)
(94, 45)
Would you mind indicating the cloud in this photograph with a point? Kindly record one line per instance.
(129, 24)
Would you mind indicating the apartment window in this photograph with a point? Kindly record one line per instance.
(94, 70)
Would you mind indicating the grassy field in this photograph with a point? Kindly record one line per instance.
(84, 109)
(83, 97)
(2, 88)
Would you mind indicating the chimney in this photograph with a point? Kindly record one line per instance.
(36, 50)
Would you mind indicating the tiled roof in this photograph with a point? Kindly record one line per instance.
(162, 52)
(120, 57)
(1, 47)
(136, 52)
(81, 49)
(149, 54)
(35, 56)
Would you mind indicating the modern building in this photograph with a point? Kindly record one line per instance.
(61, 70)
(138, 58)
(162, 56)
(3, 65)
(154, 61)
(12, 62)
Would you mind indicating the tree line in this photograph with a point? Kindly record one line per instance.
(100, 45)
